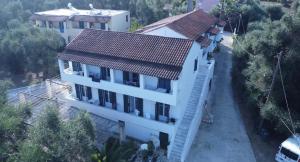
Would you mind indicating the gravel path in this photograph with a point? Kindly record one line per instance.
(226, 139)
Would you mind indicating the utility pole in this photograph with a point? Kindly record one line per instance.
(272, 84)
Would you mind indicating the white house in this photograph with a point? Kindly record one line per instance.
(69, 22)
(155, 86)
(197, 25)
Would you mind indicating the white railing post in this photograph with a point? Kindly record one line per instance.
(112, 76)
(142, 81)
(85, 72)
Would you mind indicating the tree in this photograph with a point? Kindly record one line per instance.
(255, 56)
(26, 48)
(12, 125)
(52, 139)
(275, 12)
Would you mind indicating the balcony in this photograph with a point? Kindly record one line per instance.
(116, 115)
(136, 85)
(71, 72)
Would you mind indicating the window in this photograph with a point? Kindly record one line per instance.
(81, 24)
(83, 92)
(105, 73)
(126, 18)
(92, 25)
(164, 84)
(130, 78)
(107, 98)
(195, 64)
(61, 27)
(44, 24)
(69, 39)
(103, 26)
(162, 112)
(66, 64)
(210, 84)
(76, 66)
(50, 24)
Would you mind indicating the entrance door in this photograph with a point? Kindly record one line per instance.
(164, 140)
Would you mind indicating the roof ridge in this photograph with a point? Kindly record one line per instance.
(184, 15)
(143, 35)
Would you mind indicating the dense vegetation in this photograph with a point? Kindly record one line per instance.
(255, 59)
(49, 139)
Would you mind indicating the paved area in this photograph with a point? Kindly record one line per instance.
(226, 139)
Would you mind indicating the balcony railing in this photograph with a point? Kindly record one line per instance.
(161, 119)
(132, 83)
(69, 71)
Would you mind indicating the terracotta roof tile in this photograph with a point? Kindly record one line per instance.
(204, 41)
(214, 31)
(154, 49)
(191, 24)
(146, 54)
(222, 23)
(146, 68)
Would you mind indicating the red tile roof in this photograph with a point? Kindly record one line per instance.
(214, 31)
(145, 54)
(146, 68)
(204, 41)
(191, 24)
(222, 23)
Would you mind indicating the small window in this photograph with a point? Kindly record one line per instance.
(44, 24)
(163, 109)
(103, 26)
(92, 25)
(210, 82)
(50, 24)
(61, 27)
(66, 64)
(81, 24)
(126, 18)
(164, 84)
(196, 64)
(69, 39)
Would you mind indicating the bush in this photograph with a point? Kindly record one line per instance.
(275, 12)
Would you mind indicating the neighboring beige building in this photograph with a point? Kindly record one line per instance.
(69, 22)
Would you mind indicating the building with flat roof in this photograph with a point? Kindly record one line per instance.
(69, 22)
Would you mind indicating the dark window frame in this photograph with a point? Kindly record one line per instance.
(81, 24)
(50, 24)
(102, 26)
(164, 83)
(196, 64)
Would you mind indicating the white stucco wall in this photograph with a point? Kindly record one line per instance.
(166, 32)
(118, 22)
(186, 80)
(150, 82)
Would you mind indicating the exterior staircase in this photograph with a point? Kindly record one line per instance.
(189, 114)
